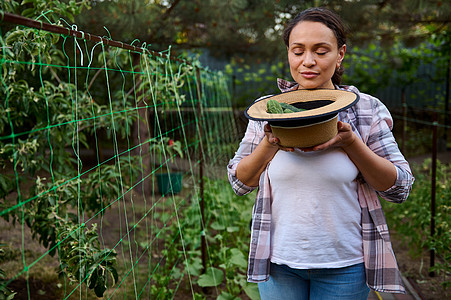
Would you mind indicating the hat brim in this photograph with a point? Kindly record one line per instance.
(319, 104)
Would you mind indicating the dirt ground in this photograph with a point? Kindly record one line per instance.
(415, 270)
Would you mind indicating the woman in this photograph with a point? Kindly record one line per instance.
(318, 231)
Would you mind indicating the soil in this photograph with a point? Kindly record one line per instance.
(39, 290)
(415, 270)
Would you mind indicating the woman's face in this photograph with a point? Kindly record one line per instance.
(313, 55)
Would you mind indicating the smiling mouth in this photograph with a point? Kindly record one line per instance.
(309, 74)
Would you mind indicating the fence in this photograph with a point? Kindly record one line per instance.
(105, 148)
(426, 131)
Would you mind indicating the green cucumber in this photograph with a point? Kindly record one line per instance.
(290, 107)
(275, 107)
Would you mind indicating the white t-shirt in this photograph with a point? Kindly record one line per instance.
(316, 217)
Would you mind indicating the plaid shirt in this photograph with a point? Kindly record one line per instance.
(371, 122)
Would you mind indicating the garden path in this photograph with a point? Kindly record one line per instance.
(384, 296)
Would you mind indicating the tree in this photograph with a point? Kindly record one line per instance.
(225, 28)
(251, 29)
(247, 33)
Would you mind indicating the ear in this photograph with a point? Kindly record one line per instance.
(341, 55)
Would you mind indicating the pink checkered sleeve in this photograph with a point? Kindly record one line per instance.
(382, 142)
(253, 136)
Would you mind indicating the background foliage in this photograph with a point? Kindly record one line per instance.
(52, 109)
(412, 219)
(252, 28)
(393, 45)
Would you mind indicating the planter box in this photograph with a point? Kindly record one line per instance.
(169, 183)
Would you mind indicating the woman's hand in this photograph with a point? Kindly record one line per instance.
(344, 138)
(251, 167)
(274, 140)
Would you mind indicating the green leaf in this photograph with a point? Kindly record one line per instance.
(114, 275)
(217, 226)
(29, 12)
(195, 266)
(251, 289)
(213, 277)
(5, 185)
(100, 287)
(226, 296)
(11, 296)
(237, 258)
(28, 1)
(233, 229)
(92, 279)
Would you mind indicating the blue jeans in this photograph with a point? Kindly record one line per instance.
(286, 283)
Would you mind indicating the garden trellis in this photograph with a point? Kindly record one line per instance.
(87, 124)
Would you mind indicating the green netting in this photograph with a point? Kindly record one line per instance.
(86, 131)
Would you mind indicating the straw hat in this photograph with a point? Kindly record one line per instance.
(315, 125)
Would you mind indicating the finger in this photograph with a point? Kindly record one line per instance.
(288, 149)
(273, 140)
(277, 142)
(342, 126)
(327, 144)
(306, 149)
(267, 128)
(322, 146)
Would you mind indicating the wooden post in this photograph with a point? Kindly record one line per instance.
(404, 121)
(447, 96)
(433, 183)
(201, 169)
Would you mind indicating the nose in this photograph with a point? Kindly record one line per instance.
(309, 59)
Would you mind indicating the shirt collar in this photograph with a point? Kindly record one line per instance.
(286, 86)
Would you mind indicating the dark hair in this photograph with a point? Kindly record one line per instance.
(328, 18)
